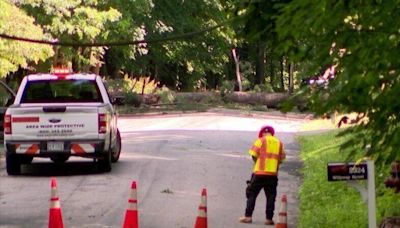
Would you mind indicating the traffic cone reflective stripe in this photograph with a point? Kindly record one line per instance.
(201, 221)
(55, 217)
(131, 215)
(282, 216)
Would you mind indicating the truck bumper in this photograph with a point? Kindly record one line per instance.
(87, 148)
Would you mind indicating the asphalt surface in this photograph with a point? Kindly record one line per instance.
(172, 157)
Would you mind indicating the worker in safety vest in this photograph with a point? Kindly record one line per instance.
(267, 153)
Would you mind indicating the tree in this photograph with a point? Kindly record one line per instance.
(181, 64)
(362, 38)
(131, 26)
(13, 54)
(257, 30)
(177, 63)
(75, 21)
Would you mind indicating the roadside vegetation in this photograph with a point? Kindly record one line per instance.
(335, 204)
(142, 95)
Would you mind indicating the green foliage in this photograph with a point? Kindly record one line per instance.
(266, 87)
(246, 85)
(132, 85)
(362, 39)
(13, 54)
(166, 95)
(388, 203)
(298, 101)
(322, 202)
(227, 87)
(256, 32)
(74, 21)
(130, 88)
(132, 98)
(182, 63)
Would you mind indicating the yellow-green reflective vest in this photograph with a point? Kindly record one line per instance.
(269, 152)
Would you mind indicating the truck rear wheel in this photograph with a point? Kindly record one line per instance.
(13, 165)
(104, 164)
(116, 151)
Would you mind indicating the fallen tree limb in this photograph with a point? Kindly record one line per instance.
(271, 100)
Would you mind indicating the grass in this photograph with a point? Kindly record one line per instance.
(318, 124)
(335, 204)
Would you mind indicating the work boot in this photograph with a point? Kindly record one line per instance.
(245, 219)
(269, 222)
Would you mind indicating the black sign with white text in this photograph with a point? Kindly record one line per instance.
(347, 171)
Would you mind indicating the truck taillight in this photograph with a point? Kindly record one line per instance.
(7, 124)
(102, 123)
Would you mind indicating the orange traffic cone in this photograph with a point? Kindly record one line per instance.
(282, 218)
(201, 221)
(55, 217)
(131, 215)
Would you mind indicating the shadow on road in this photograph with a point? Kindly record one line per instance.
(63, 169)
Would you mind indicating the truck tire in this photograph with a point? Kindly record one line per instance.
(13, 165)
(104, 164)
(116, 151)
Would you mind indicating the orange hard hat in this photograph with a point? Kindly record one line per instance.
(266, 128)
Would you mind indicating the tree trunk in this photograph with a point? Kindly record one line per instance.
(96, 69)
(238, 76)
(291, 83)
(272, 70)
(260, 63)
(76, 63)
(155, 72)
(56, 58)
(144, 85)
(282, 74)
(111, 68)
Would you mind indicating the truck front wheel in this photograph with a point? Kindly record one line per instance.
(13, 165)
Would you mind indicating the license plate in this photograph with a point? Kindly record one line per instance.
(55, 146)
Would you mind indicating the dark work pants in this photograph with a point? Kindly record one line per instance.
(258, 182)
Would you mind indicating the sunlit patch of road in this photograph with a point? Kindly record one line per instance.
(137, 156)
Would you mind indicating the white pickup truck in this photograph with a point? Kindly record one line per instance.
(61, 115)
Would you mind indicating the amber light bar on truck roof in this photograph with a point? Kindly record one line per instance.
(58, 70)
(61, 73)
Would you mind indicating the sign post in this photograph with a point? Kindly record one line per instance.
(351, 172)
(371, 194)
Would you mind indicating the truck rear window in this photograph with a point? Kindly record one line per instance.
(58, 91)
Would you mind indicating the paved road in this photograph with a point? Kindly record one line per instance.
(172, 158)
